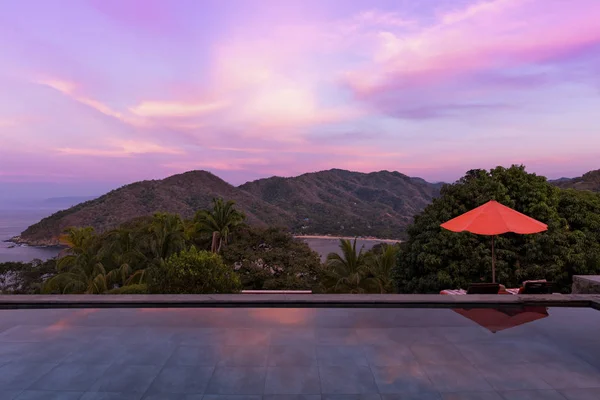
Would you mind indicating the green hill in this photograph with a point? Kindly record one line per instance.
(379, 204)
(589, 181)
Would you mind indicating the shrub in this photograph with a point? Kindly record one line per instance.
(130, 289)
(193, 272)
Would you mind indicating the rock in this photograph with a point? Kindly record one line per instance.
(586, 284)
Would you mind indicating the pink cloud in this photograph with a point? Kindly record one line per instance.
(482, 37)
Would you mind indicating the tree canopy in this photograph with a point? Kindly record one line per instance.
(433, 259)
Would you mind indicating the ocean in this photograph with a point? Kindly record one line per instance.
(12, 223)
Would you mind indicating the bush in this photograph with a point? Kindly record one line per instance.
(130, 289)
(193, 272)
(271, 259)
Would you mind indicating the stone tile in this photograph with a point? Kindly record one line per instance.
(456, 378)
(513, 376)
(423, 396)
(9, 394)
(50, 352)
(246, 337)
(336, 336)
(367, 396)
(243, 356)
(437, 353)
(292, 355)
(341, 355)
(181, 380)
(26, 333)
(156, 354)
(20, 375)
(409, 378)
(294, 337)
(409, 336)
(13, 351)
(237, 380)
(472, 396)
(167, 396)
(490, 353)
(126, 378)
(76, 377)
(382, 356)
(348, 379)
(581, 394)
(375, 336)
(231, 397)
(292, 397)
(464, 334)
(199, 337)
(110, 396)
(532, 395)
(293, 380)
(195, 355)
(48, 395)
(98, 353)
(569, 375)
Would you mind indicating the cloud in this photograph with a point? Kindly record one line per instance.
(120, 148)
(236, 164)
(175, 109)
(475, 40)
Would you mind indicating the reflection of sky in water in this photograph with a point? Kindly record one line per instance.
(397, 348)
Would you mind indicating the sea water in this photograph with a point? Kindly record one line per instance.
(15, 221)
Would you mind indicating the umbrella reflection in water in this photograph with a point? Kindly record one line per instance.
(497, 319)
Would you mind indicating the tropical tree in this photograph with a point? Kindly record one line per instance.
(164, 236)
(381, 269)
(193, 271)
(219, 221)
(82, 270)
(433, 258)
(346, 272)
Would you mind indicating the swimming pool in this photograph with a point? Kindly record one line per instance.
(277, 354)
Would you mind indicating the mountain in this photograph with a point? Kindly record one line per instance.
(182, 194)
(379, 204)
(589, 181)
(338, 202)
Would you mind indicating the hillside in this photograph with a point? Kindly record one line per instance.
(182, 194)
(339, 202)
(379, 204)
(589, 181)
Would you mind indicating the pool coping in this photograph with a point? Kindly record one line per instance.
(296, 301)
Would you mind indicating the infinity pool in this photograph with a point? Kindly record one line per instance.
(294, 354)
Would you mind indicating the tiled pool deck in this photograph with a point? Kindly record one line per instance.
(293, 354)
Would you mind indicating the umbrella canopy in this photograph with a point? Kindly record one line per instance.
(493, 218)
(497, 319)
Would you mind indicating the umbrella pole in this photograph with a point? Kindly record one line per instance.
(493, 262)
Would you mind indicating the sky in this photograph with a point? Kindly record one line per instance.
(99, 93)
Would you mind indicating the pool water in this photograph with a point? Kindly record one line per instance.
(309, 354)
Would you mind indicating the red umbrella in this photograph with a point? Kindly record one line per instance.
(493, 218)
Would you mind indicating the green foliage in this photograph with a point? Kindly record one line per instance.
(357, 271)
(130, 289)
(219, 222)
(434, 259)
(272, 259)
(193, 271)
(25, 278)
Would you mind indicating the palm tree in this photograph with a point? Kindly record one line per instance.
(347, 272)
(381, 268)
(165, 236)
(81, 270)
(220, 221)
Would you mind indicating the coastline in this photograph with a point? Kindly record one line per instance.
(365, 238)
